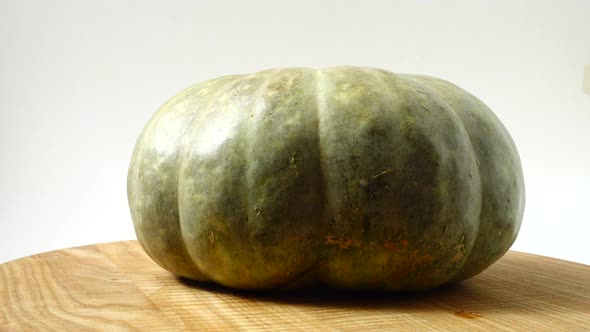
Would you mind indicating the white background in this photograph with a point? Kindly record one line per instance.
(79, 79)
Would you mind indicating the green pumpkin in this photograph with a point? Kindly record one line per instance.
(350, 178)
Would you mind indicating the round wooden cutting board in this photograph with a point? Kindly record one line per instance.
(115, 286)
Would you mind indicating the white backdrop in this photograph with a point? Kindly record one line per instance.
(79, 79)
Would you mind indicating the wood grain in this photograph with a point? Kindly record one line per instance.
(115, 286)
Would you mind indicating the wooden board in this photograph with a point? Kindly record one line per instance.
(115, 286)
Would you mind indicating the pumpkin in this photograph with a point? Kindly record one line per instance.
(348, 178)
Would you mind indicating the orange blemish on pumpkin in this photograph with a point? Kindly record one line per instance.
(404, 245)
(401, 246)
(426, 259)
(389, 245)
(341, 242)
(330, 239)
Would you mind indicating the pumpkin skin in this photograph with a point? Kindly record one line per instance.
(345, 177)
